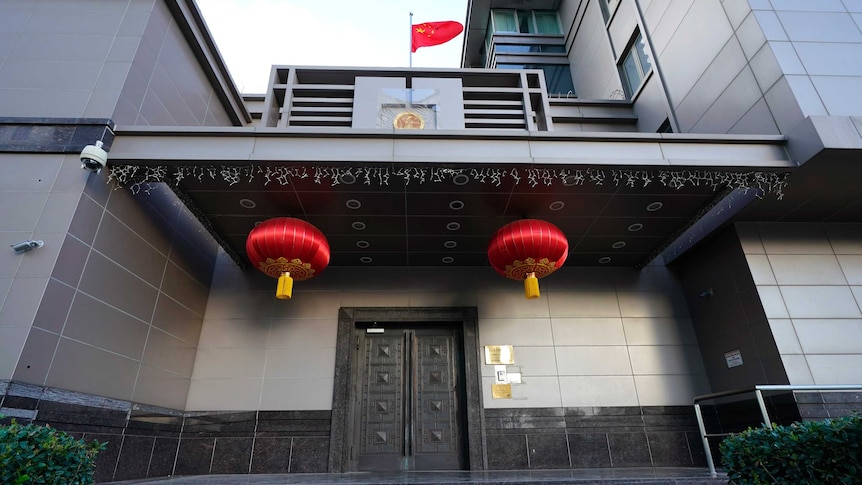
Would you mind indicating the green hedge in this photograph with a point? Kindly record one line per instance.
(828, 451)
(41, 454)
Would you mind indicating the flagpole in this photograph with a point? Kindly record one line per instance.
(411, 40)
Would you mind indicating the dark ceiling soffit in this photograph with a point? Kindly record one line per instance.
(705, 223)
(692, 225)
(199, 214)
(201, 42)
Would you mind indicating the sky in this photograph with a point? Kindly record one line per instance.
(253, 35)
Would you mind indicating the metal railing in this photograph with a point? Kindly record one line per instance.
(758, 394)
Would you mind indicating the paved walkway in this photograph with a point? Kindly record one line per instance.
(618, 476)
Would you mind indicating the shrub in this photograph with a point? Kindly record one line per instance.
(40, 454)
(828, 451)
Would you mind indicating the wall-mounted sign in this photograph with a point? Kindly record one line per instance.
(501, 391)
(733, 358)
(500, 376)
(514, 377)
(499, 355)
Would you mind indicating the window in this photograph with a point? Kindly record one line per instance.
(634, 66)
(528, 48)
(526, 22)
(504, 21)
(557, 76)
(546, 23)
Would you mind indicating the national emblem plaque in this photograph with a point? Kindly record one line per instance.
(408, 120)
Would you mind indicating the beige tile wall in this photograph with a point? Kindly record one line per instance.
(808, 277)
(596, 337)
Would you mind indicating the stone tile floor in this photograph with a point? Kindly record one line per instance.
(617, 476)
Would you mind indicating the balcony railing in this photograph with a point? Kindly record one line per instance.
(323, 98)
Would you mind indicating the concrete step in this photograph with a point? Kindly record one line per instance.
(615, 476)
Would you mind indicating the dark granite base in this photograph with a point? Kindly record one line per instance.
(53, 135)
(148, 442)
(555, 438)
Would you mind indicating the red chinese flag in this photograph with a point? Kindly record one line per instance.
(435, 33)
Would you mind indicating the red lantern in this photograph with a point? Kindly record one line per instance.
(288, 249)
(527, 250)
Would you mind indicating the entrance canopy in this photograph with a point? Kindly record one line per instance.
(420, 198)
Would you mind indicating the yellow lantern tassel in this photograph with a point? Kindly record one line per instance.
(285, 287)
(531, 286)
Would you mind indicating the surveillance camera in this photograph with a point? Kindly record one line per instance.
(24, 246)
(93, 157)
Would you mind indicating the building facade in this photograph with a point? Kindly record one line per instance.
(700, 157)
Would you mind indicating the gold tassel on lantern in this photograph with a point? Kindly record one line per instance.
(285, 287)
(531, 286)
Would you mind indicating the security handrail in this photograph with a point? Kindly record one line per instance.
(758, 393)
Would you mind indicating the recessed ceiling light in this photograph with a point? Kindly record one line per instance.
(358, 225)
(654, 206)
(557, 205)
(450, 244)
(448, 259)
(618, 244)
(362, 244)
(456, 205)
(247, 203)
(347, 178)
(637, 226)
(365, 259)
(353, 204)
(460, 179)
(604, 260)
(453, 226)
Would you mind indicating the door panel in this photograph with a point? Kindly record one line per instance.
(410, 400)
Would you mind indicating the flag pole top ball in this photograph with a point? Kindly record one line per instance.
(288, 249)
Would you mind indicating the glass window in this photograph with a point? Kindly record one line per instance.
(504, 21)
(634, 66)
(546, 23)
(526, 48)
(525, 22)
(558, 77)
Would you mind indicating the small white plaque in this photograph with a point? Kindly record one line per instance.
(500, 375)
(514, 377)
(733, 358)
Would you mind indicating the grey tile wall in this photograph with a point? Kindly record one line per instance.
(807, 278)
(126, 306)
(756, 68)
(728, 315)
(165, 85)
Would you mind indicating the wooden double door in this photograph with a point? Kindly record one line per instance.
(409, 398)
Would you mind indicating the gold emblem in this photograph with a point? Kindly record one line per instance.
(408, 120)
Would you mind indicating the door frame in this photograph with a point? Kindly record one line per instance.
(346, 352)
